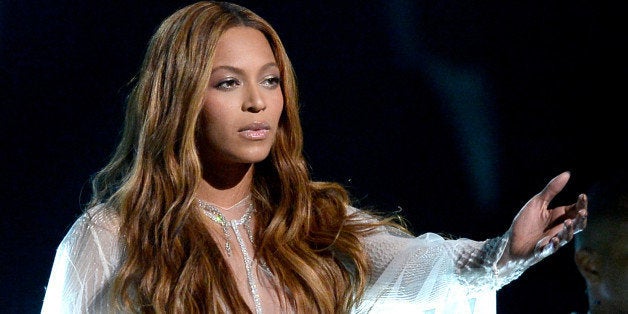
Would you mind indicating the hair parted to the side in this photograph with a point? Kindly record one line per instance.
(171, 263)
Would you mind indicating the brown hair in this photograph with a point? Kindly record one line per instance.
(171, 263)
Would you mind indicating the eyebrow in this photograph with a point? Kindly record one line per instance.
(240, 71)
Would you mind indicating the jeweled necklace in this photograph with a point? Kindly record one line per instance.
(214, 212)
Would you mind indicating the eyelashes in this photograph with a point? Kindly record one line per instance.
(227, 84)
(269, 82)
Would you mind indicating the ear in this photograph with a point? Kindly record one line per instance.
(588, 264)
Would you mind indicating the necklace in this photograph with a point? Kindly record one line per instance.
(215, 214)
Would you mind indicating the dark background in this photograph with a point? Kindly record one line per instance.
(456, 112)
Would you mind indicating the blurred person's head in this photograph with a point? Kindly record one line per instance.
(601, 250)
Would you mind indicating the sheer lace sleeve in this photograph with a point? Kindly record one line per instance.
(84, 263)
(431, 274)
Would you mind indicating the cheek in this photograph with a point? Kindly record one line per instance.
(277, 107)
(622, 277)
(616, 287)
(214, 124)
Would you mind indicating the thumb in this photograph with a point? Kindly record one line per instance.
(554, 186)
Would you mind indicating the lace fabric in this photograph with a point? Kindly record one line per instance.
(424, 274)
(431, 274)
(84, 264)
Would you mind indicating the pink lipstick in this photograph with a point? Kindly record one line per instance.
(255, 131)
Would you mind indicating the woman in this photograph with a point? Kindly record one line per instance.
(207, 205)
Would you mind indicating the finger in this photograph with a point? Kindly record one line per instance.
(562, 231)
(562, 235)
(554, 186)
(580, 222)
(566, 234)
(570, 211)
(543, 248)
(582, 203)
(541, 244)
(546, 247)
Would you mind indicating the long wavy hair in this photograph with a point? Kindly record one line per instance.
(171, 263)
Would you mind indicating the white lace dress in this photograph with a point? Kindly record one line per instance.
(424, 274)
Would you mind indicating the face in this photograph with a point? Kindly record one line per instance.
(243, 101)
(613, 285)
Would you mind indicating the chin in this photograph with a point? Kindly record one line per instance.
(255, 156)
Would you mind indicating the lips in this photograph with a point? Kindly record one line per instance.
(255, 131)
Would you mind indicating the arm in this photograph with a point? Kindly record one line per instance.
(426, 274)
(431, 273)
(84, 265)
(536, 232)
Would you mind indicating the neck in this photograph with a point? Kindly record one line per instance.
(240, 210)
(227, 186)
(597, 306)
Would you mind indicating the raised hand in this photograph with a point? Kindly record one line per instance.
(538, 231)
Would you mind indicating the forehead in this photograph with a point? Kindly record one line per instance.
(241, 45)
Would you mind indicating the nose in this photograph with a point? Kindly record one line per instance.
(254, 101)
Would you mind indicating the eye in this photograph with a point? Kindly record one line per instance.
(227, 84)
(271, 81)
